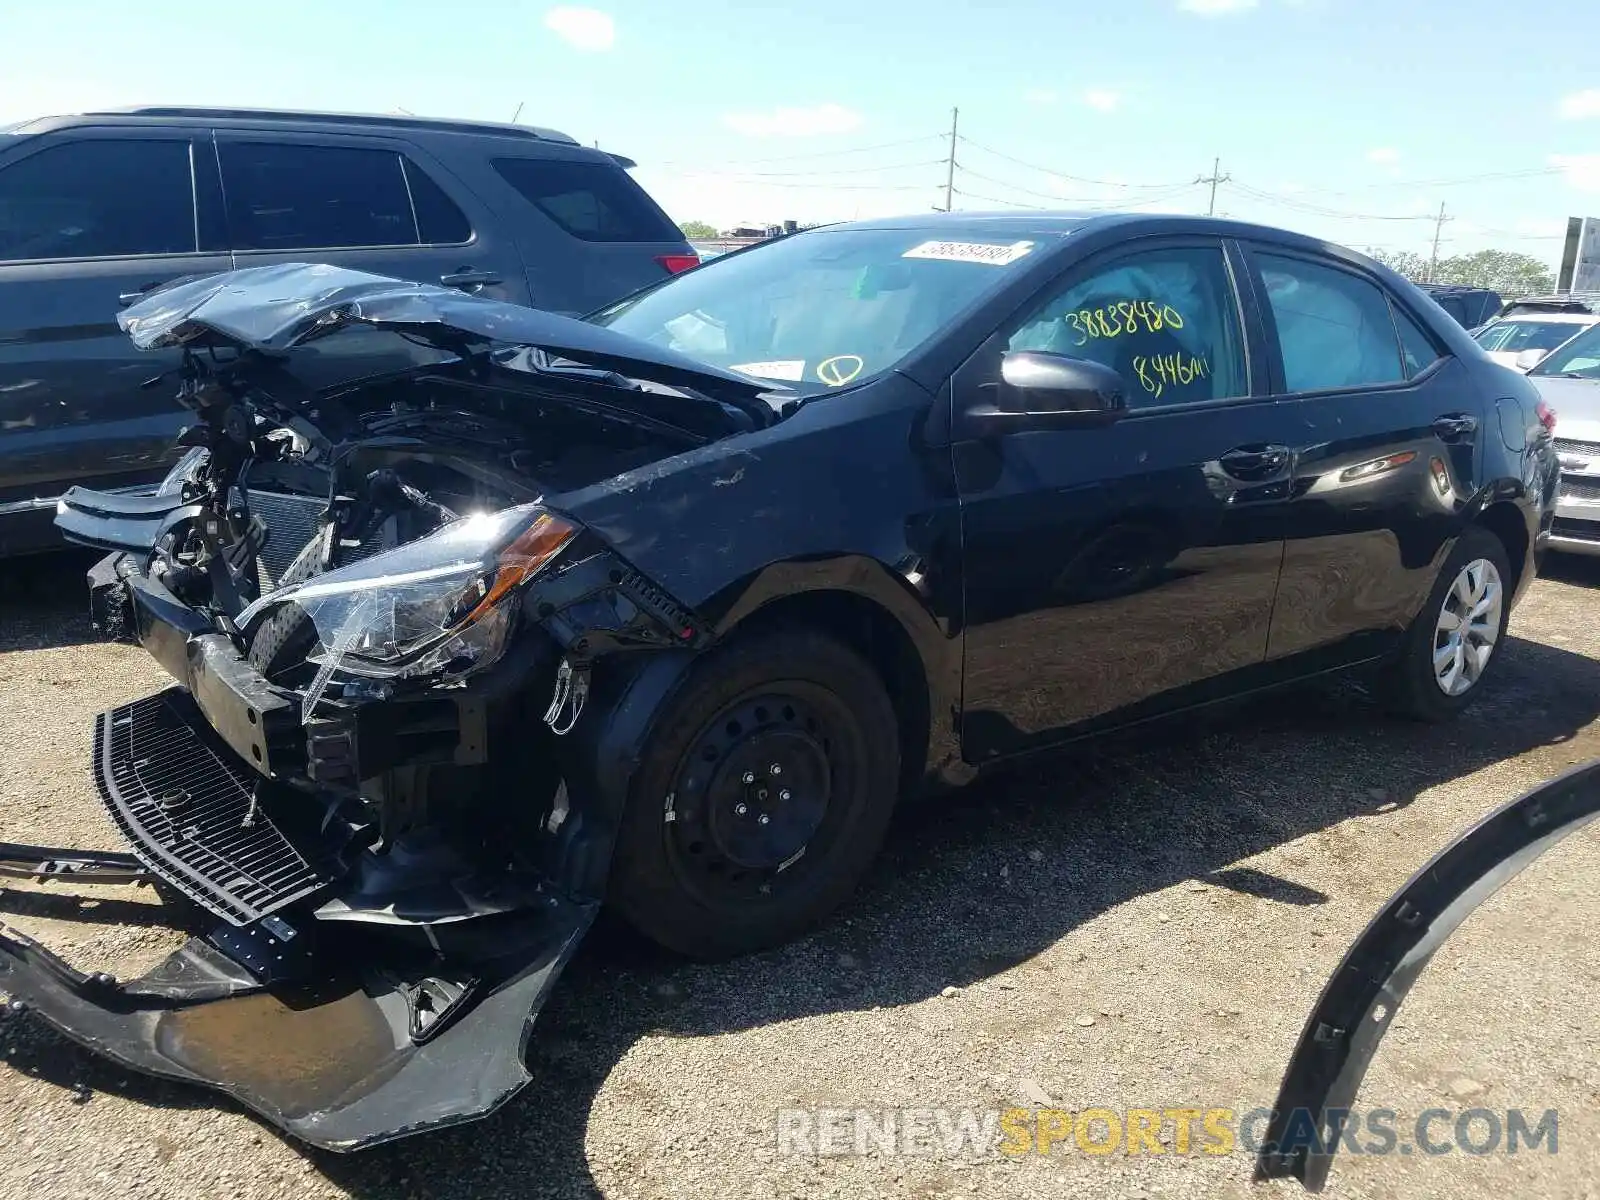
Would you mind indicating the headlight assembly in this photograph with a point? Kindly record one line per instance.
(436, 606)
(183, 471)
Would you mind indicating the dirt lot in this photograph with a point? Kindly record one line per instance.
(1146, 928)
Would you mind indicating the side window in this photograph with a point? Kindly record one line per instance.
(1165, 320)
(590, 200)
(1334, 328)
(439, 221)
(1417, 350)
(283, 196)
(94, 199)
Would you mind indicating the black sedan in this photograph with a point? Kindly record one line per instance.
(667, 608)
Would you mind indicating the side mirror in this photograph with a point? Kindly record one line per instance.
(1041, 390)
(1529, 359)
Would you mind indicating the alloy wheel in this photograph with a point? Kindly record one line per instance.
(1468, 627)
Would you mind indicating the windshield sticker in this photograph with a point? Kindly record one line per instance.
(974, 252)
(840, 369)
(790, 370)
(1120, 318)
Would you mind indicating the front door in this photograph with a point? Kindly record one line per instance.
(1115, 572)
(87, 221)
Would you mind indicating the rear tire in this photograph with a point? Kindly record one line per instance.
(761, 798)
(1456, 640)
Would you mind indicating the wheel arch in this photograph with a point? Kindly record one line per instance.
(880, 615)
(1505, 518)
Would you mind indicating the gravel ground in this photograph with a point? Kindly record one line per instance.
(1144, 928)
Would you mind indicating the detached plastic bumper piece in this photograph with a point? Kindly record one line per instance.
(346, 1060)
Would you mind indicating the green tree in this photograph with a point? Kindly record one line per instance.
(1503, 271)
(697, 229)
(1413, 266)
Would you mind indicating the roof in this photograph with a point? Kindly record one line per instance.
(296, 117)
(1062, 223)
(1555, 318)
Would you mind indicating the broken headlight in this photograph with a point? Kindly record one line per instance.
(436, 606)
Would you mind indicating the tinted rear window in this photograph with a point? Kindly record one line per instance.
(95, 199)
(282, 196)
(593, 201)
(439, 221)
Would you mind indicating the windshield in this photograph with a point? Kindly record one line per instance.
(1514, 336)
(1580, 356)
(824, 309)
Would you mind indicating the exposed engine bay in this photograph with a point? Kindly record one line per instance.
(384, 632)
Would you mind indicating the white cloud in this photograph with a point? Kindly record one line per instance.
(1579, 105)
(1582, 171)
(1102, 99)
(1384, 156)
(582, 28)
(794, 122)
(1042, 95)
(1217, 8)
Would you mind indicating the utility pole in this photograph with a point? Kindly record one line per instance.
(1213, 179)
(1438, 228)
(950, 168)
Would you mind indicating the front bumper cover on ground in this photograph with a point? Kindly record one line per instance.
(338, 1063)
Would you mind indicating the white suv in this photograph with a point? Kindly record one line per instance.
(1520, 341)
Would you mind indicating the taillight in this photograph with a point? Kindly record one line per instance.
(1547, 416)
(675, 263)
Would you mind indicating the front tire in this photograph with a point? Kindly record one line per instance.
(1455, 642)
(761, 799)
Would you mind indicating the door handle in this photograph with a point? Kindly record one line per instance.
(1455, 426)
(466, 277)
(1255, 464)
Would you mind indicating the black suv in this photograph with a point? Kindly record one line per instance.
(1470, 306)
(101, 207)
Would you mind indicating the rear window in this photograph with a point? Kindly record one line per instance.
(282, 196)
(95, 199)
(593, 201)
(1513, 337)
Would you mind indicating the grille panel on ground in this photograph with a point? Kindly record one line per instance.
(1573, 488)
(1570, 446)
(186, 811)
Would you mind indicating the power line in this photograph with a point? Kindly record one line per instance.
(925, 162)
(1060, 174)
(817, 153)
(1319, 209)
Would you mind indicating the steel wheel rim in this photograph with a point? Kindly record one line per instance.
(1468, 627)
(709, 838)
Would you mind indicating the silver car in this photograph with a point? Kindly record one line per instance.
(1569, 382)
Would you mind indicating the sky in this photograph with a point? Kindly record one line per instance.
(1352, 120)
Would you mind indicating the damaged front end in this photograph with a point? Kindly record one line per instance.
(372, 775)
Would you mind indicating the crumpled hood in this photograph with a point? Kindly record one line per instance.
(276, 308)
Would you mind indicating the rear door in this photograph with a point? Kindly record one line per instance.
(367, 203)
(589, 234)
(1391, 452)
(88, 218)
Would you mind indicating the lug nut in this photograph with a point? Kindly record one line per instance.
(775, 769)
(763, 819)
(749, 776)
(741, 809)
(784, 794)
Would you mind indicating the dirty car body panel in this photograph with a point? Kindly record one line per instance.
(430, 630)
